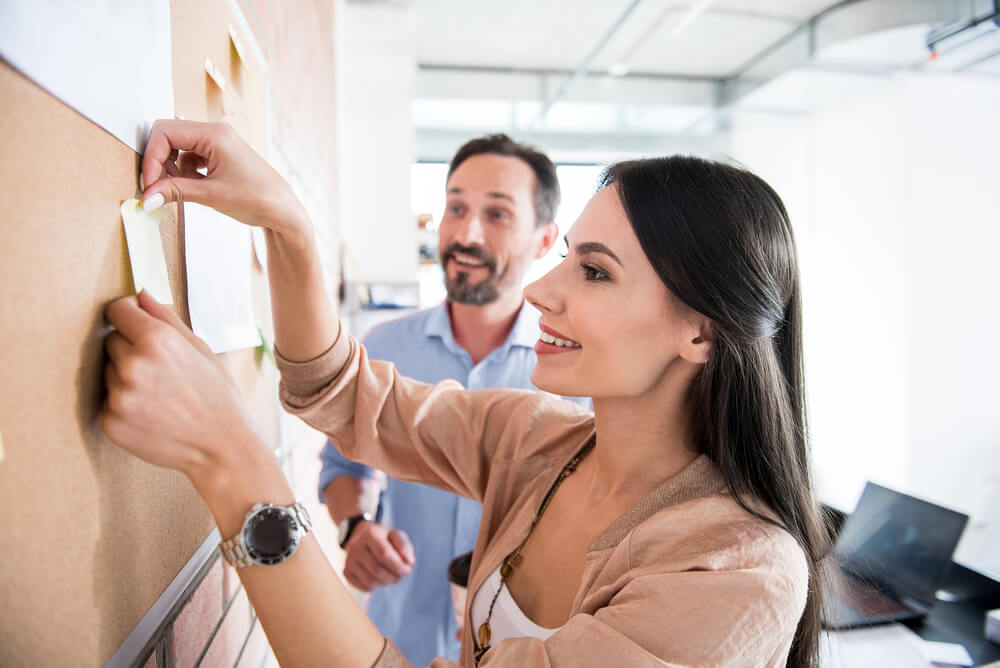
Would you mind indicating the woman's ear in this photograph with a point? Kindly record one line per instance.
(699, 344)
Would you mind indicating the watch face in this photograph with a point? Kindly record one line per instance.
(271, 535)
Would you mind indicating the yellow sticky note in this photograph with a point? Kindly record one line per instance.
(145, 250)
(214, 72)
(239, 50)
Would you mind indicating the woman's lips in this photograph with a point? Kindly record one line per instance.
(551, 342)
(543, 348)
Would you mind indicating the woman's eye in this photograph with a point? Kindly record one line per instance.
(593, 273)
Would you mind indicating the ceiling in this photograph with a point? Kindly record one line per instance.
(559, 35)
(585, 76)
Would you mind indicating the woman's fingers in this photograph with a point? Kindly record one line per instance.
(117, 347)
(236, 180)
(174, 153)
(128, 319)
(166, 138)
(189, 164)
(166, 314)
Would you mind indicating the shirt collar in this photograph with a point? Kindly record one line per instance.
(524, 333)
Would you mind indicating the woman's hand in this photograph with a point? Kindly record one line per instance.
(237, 181)
(170, 401)
(240, 184)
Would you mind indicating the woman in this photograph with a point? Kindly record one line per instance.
(674, 525)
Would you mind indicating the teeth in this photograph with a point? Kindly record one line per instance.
(467, 261)
(548, 338)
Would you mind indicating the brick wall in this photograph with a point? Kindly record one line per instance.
(214, 624)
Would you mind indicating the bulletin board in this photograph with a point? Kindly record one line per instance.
(92, 536)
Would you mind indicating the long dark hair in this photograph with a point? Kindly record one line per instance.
(721, 241)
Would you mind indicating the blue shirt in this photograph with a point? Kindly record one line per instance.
(416, 612)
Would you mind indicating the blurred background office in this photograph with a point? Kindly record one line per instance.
(876, 120)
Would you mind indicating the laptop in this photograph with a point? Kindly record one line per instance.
(890, 557)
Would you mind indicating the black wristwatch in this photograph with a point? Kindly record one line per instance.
(346, 527)
(269, 536)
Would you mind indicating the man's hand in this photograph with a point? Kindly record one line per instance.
(377, 555)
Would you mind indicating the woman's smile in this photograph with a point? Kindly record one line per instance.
(551, 342)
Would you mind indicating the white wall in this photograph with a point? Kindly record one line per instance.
(890, 191)
(376, 64)
(953, 300)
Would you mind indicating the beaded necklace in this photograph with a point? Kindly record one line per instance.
(514, 559)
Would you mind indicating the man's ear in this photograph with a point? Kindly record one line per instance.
(547, 235)
(698, 345)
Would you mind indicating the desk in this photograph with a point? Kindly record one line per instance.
(898, 645)
(962, 623)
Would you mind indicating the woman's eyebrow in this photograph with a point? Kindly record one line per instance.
(585, 247)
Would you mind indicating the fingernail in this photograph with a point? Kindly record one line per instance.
(153, 202)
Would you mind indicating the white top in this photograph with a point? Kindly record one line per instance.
(508, 620)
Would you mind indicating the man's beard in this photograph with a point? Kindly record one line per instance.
(460, 290)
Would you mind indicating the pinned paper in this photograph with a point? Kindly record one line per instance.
(259, 246)
(87, 53)
(238, 47)
(215, 74)
(145, 250)
(220, 299)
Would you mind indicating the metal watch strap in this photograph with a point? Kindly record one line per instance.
(233, 550)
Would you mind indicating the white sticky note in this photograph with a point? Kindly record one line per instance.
(145, 250)
(949, 653)
(220, 299)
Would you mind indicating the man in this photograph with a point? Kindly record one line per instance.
(501, 201)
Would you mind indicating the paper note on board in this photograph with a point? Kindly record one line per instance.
(215, 74)
(259, 246)
(238, 47)
(111, 61)
(218, 256)
(145, 250)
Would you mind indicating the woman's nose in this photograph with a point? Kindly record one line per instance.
(544, 294)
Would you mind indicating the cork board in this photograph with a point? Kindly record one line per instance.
(92, 535)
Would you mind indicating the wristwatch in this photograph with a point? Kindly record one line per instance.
(346, 527)
(269, 536)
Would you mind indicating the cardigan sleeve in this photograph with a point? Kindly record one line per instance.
(442, 435)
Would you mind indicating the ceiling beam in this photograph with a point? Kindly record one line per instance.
(528, 85)
(845, 21)
(584, 66)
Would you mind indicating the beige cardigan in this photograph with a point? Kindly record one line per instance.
(685, 578)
